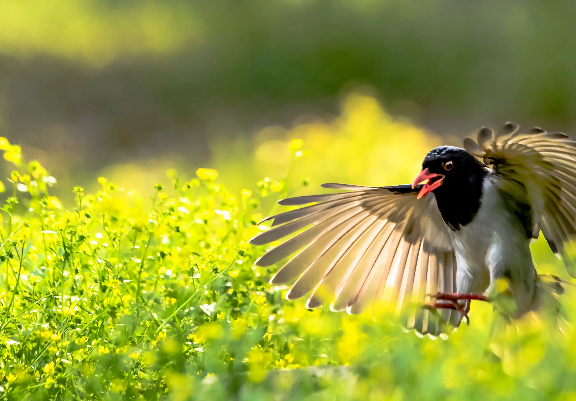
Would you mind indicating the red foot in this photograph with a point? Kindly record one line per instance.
(454, 304)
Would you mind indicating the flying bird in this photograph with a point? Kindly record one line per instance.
(465, 224)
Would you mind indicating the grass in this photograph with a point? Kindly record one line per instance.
(119, 297)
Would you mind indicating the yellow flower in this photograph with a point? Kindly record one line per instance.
(46, 335)
(53, 203)
(196, 339)
(103, 350)
(13, 154)
(207, 174)
(256, 217)
(246, 193)
(4, 143)
(276, 186)
(122, 350)
(260, 299)
(48, 368)
(161, 336)
(296, 144)
(102, 181)
(67, 311)
(118, 386)
(10, 378)
(81, 340)
(233, 274)
(239, 326)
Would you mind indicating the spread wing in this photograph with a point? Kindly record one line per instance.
(538, 169)
(365, 245)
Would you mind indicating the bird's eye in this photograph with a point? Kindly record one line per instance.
(448, 165)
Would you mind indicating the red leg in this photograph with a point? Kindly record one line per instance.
(440, 305)
(455, 305)
(458, 297)
(433, 308)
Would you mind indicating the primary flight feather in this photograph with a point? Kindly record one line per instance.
(467, 226)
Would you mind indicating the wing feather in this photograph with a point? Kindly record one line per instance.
(348, 294)
(544, 164)
(332, 185)
(304, 238)
(295, 214)
(367, 245)
(304, 200)
(344, 267)
(312, 255)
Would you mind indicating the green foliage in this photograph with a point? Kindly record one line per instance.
(119, 297)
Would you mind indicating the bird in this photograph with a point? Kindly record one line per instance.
(462, 227)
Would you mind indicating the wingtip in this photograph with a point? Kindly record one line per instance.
(510, 127)
(289, 296)
(353, 311)
(472, 147)
(254, 241)
(276, 281)
(265, 220)
(261, 262)
(312, 303)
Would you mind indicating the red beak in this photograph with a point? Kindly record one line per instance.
(428, 187)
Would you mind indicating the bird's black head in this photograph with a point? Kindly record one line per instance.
(455, 177)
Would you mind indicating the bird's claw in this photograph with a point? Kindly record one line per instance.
(451, 302)
(453, 305)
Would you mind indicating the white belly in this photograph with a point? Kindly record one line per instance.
(494, 245)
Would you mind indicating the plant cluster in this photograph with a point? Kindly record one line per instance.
(121, 297)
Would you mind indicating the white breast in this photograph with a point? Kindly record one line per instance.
(493, 245)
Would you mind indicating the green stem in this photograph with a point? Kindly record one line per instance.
(194, 294)
(142, 267)
(22, 313)
(21, 257)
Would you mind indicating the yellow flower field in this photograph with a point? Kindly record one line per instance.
(118, 296)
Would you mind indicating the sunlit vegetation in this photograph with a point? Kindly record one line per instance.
(116, 296)
(142, 285)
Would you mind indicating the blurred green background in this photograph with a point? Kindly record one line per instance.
(128, 89)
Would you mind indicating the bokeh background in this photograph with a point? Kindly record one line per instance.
(129, 89)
